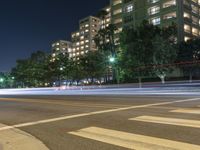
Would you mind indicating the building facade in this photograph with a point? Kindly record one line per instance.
(130, 13)
(184, 13)
(83, 39)
(61, 46)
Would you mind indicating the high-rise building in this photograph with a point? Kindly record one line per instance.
(61, 46)
(184, 13)
(105, 16)
(83, 39)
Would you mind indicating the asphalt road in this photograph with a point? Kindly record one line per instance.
(103, 122)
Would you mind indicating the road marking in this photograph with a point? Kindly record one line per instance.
(94, 113)
(67, 103)
(187, 111)
(16, 139)
(132, 141)
(169, 121)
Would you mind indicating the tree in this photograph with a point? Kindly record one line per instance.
(31, 72)
(106, 43)
(164, 51)
(189, 56)
(77, 72)
(137, 50)
(94, 65)
(60, 67)
(146, 47)
(6, 80)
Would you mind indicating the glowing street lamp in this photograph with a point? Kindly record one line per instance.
(1, 80)
(112, 59)
(61, 69)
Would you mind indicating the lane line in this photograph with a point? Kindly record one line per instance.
(61, 103)
(94, 113)
(187, 111)
(132, 141)
(168, 121)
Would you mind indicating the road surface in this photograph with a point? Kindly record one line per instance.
(111, 120)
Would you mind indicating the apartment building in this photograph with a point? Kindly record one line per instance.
(184, 13)
(61, 46)
(105, 16)
(83, 39)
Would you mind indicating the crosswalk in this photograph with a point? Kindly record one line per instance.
(168, 121)
(190, 111)
(143, 142)
(132, 141)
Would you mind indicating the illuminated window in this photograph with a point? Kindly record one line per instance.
(153, 1)
(186, 38)
(117, 2)
(195, 31)
(154, 10)
(170, 15)
(82, 42)
(155, 21)
(69, 50)
(116, 21)
(169, 3)
(187, 28)
(117, 11)
(186, 15)
(129, 8)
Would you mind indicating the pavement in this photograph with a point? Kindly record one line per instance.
(112, 121)
(16, 139)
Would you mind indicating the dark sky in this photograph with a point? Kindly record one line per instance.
(30, 25)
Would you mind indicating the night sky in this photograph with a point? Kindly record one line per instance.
(30, 25)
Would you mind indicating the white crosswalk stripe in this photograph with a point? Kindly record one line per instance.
(132, 141)
(187, 111)
(168, 121)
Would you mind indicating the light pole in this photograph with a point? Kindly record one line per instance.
(1, 80)
(61, 69)
(115, 75)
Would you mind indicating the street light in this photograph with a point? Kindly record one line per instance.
(115, 69)
(61, 68)
(1, 80)
(112, 59)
